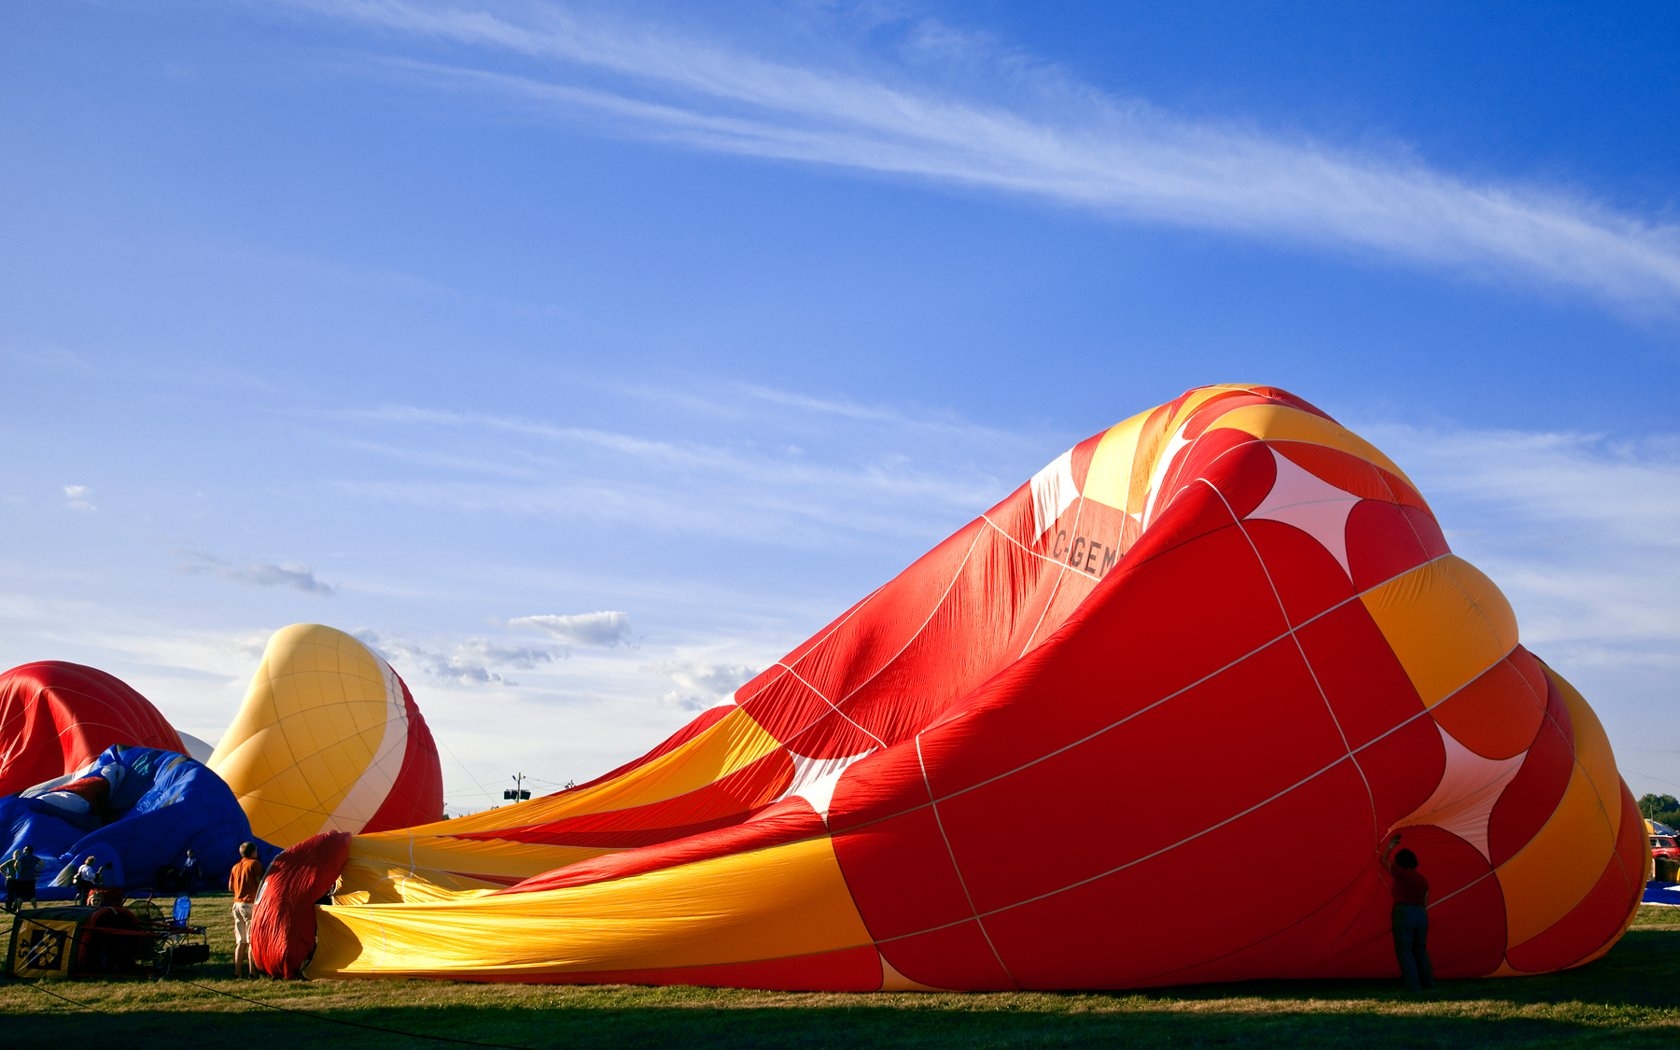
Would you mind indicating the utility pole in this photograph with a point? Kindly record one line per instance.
(517, 793)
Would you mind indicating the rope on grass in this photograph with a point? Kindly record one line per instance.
(48, 991)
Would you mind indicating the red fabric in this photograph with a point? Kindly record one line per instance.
(96, 789)
(416, 797)
(1068, 726)
(789, 821)
(719, 804)
(1539, 785)
(56, 717)
(283, 923)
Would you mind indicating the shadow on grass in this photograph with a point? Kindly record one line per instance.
(1629, 998)
(838, 1027)
(1639, 973)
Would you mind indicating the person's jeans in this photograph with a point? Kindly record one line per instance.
(1411, 946)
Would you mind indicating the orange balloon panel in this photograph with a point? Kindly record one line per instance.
(1220, 645)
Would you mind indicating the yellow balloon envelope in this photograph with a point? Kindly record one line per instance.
(328, 739)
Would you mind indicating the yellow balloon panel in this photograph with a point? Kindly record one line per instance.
(1275, 424)
(1446, 622)
(312, 747)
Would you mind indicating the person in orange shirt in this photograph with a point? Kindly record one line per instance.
(1410, 917)
(243, 882)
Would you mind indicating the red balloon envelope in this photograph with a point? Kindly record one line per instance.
(1149, 720)
(56, 717)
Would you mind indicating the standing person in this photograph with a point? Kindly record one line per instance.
(188, 872)
(243, 882)
(20, 872)
(1410, 916)
(87, 877)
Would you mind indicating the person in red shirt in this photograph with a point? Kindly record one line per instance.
(1410, 916)
(243, 882)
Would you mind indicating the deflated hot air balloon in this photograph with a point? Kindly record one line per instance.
(136, 810)
(328, 738)
(1221, 643)
(55, 717)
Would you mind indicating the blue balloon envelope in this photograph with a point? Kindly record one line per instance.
(136, 811)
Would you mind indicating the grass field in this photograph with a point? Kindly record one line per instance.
(1629, 998)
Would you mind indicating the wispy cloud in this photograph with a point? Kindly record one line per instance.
(892, 472)
(79, 498)
(256, 573)
(1576, 529)
(473, 662)
(701, 685)
(55, 360)
(915, 106)
(1624, 491)
(601, 629)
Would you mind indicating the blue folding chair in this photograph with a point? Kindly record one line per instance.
(182, 943)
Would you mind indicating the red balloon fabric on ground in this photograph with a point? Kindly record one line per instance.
(1149, 720)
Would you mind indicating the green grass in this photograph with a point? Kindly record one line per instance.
(1629, 998)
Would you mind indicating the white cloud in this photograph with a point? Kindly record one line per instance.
(1576, 535)
(1630, 487)
(604, 629)
(701, 685)
(1050, 139)
(79, 498)
(257, 573)
(901, 474)
(195, 676)
(474, 661)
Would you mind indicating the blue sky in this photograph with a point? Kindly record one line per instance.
(586, 358)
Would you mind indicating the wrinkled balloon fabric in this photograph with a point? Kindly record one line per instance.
(56, 717)
(136, 811)
(1221, 644)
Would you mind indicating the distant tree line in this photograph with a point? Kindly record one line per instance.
(1664, 809)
